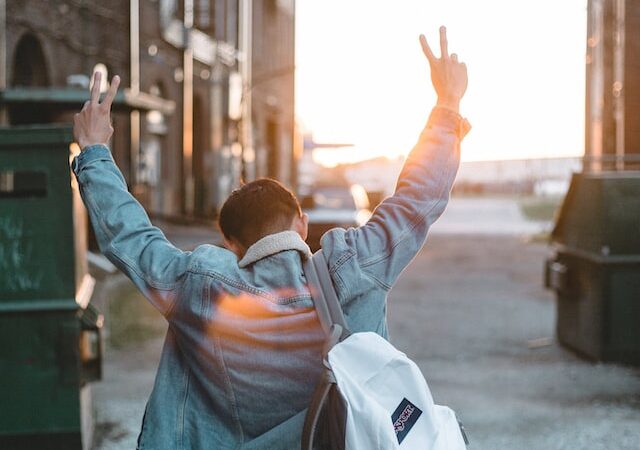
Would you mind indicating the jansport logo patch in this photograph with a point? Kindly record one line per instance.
(404, 418)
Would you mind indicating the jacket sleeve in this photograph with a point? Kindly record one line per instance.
(123, 230)
(398, 227)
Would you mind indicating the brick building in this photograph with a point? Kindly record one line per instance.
(207, 88)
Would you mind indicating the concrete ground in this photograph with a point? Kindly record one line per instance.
(487, 216)
(472, 312)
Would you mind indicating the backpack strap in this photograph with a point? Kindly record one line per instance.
(317, 295)
(324, 294)
(334, 325)
(329, 291)
(318, 400)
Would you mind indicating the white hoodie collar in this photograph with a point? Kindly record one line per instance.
(275, 243)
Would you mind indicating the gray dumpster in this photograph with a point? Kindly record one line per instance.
(595, 268)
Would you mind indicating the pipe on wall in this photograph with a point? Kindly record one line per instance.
(134, 40)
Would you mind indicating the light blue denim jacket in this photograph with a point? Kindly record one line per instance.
(243, 348)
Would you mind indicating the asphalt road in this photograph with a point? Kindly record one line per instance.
(472, 312)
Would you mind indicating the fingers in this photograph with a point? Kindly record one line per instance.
(426, 49)
(111, 93)
(95, 89)
(454, 57)
(444, 46)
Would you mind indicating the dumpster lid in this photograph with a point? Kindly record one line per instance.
(600, 214)
(74, 98)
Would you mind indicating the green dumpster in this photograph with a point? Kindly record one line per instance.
(50, 332)
(595, 268)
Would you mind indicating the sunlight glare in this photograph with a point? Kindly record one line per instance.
(361, 76)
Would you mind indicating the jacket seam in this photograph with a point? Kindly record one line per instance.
(377, 281)
(181, 413)
(258, 292)
(85, 164)
(334, 270)
(341, 260)
(88, 199)
(154, 284)
(206, 301)
(232, 395)
(412, 225)
(343, 287)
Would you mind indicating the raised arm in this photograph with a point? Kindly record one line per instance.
(123, 230)
(398, 227)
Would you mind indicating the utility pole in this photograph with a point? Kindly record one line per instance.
(187, 110)
(246, 56)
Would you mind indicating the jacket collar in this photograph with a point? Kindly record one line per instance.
(275, 243)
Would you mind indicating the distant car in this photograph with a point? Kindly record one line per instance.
(334, 206)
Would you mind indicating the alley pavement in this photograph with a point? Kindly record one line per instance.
(472, 312)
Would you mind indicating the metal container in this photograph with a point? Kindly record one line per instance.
(52, 346)
(595, 269)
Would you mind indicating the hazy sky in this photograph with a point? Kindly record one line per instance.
(362, 78)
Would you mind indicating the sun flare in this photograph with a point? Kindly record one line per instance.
(364, 80)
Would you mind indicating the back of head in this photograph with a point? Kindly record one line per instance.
(257, 209)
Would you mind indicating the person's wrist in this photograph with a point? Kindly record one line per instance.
(86, 144)
(449, 103)
(447, 114)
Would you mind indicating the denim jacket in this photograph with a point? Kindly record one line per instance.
(242, 352)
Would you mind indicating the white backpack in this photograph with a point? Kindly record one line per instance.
(370, 395)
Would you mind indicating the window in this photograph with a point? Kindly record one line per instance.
(150, 159)
(203, 15)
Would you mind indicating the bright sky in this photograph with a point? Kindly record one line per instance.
(362, 78)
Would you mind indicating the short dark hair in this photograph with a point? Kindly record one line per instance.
(257, 209)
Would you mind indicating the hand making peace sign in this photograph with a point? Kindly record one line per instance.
(448, 75)
(92, 125)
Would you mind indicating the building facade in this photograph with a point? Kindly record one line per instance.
(207, 88)
(612, 135)
(272, 90)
